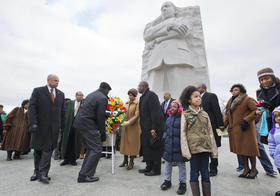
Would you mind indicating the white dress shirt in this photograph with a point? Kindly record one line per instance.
(54, 94)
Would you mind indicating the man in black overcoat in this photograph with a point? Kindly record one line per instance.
(165, 105)
(46, 119)
(152, 126)
(210, 104)
(90, 125)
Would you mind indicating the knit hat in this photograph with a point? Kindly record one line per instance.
(277, 109)
(265, 72)
(180, 109)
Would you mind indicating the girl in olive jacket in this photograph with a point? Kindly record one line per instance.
(197, 139)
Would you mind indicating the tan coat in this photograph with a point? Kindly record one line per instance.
(199, 140)
(17, 137)
(130, 138)
(242, 142)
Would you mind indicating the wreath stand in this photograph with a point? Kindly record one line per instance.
(112, 152)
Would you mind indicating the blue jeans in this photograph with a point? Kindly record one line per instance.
(266, 164)
(182, 171)
(199, 164)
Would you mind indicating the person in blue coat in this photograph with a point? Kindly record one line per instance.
(172, 148)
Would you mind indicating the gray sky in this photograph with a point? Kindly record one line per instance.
(89, 41)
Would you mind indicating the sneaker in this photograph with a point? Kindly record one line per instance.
(165, 185)
(272, 174)
(239, 169)
(182, 188)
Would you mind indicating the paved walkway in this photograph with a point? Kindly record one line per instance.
(14, 179)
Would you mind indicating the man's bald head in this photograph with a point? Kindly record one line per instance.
(53, 80)
(166, 96)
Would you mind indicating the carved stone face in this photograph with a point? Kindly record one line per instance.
(168, 10)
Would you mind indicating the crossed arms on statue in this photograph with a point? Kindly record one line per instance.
(171, 29)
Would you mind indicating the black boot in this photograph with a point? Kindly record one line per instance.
(182, 188)
(165, 185)
(17, 155)
(9, 155)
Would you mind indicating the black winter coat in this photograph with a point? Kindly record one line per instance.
(91, 114)
(211, 106)
(151, 118)
(272, 97)
(172, 143)
(49, 116)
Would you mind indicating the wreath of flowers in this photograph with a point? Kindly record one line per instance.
(117, 113)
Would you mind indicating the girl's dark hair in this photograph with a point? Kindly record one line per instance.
(24, 102)
(186, 96)
(240, 86)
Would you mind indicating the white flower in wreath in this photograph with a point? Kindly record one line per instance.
(115, 113)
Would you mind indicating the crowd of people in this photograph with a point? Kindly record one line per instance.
(179, 131)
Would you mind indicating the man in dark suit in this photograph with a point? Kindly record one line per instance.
(165, 105)
(210, 105)
(46, 120)
(90, 124)
(152, 126)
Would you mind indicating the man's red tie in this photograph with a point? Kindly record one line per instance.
(52, 95)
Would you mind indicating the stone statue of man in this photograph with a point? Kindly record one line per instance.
(174, 54)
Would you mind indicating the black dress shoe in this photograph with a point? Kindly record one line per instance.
(44, 179)
(64, 163)
(74, 163)
(34, 177)
(87, 179)
(152, 173)
(142, 171)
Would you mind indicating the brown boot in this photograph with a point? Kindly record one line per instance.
(125, 161)
(206, 188)
(195, 188)
(131, 163)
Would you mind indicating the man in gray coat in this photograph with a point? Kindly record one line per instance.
(90, 124)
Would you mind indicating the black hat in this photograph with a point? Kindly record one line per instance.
(105, 85)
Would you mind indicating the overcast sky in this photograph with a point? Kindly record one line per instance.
(88, 41)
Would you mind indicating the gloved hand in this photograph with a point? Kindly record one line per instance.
(33, 128)
(244, 125)
(7, 128)
(265, 104)
(103, 136)
(125, 123)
